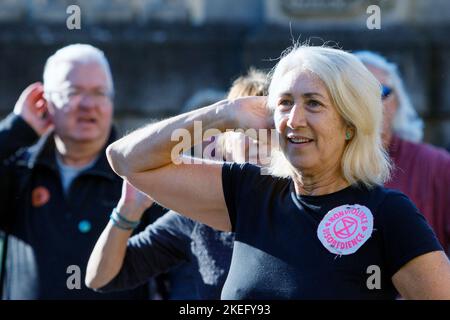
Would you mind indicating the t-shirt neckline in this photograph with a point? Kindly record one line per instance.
(320, 198)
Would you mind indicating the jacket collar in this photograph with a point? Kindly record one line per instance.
(43, 154)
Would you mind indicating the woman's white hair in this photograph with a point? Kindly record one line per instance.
(356, 95)
(406, 124)
(79, 53)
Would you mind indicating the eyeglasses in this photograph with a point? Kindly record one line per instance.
(385, 91)
(74, 95)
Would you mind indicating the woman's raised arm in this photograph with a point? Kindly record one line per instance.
(149, 159)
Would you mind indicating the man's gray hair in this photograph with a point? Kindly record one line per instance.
(80, 53)
(407, 124)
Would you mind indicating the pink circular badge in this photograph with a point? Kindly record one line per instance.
(345, 229)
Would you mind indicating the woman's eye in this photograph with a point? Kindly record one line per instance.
(313, 103)
(285, 103)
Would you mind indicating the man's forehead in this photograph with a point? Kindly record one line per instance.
(73, 73)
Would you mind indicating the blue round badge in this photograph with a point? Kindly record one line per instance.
(84, 226)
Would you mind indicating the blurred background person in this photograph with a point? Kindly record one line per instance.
(196, 257)
(421, 171)
(57, 188)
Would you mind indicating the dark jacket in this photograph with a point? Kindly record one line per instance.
(50, 231)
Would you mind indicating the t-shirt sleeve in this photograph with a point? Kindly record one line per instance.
(405, 231)
(237, 182)
(161, 246)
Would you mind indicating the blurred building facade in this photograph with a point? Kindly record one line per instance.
(164, 51)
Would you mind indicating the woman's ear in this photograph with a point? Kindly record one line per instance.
(349, 132)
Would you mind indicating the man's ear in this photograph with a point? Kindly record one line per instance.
(48, 104)
(49, 108)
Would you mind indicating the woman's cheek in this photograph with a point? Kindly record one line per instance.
(280, 121)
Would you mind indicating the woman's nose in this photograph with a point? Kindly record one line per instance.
(296, 117)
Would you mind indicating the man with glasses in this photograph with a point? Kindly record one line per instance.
(57, 189)
(421, 171)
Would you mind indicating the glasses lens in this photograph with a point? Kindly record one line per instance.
(385, 92)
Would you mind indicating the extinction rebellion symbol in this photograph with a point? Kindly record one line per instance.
(345, 229)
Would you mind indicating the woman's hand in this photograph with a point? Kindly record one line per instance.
(251, 113)
(133, 202)
(107, 257)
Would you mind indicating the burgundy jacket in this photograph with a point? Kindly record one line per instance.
(422, 172)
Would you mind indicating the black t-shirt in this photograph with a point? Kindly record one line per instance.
(306, 247)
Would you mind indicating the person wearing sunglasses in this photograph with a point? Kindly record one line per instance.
(421, 171)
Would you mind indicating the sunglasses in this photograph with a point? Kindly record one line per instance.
(385, 91)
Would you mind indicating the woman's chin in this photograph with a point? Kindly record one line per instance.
(300, 163)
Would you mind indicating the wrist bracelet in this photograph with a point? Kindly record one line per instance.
(121, 222)
(118, 225)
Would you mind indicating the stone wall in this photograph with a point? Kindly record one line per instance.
(162, 52)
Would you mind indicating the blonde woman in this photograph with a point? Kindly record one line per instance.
(319, 232)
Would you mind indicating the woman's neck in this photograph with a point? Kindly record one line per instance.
(316, 185)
